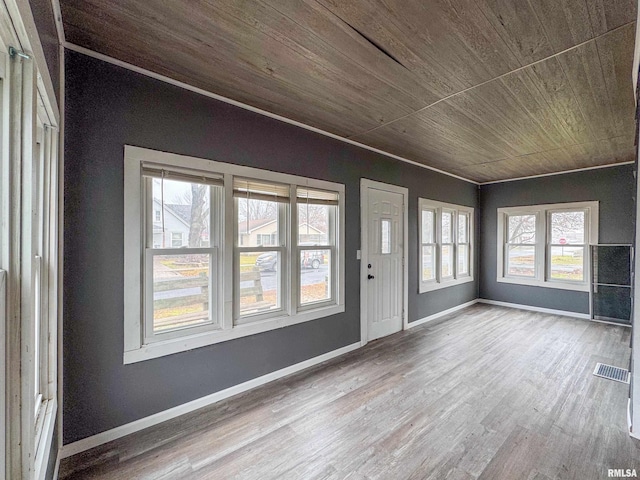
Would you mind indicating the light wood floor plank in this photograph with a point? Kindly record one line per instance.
(488, 393)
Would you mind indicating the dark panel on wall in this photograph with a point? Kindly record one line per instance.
(108, 107)
(44, 18)
(613, 187)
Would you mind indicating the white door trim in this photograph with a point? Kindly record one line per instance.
(365, 185)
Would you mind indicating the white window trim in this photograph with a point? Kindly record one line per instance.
(542, 242)
(134, 348)
(29, 248)
(439, 282)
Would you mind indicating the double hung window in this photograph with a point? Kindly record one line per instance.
(317, 212)
(446, 246)
(233, 251)
(260, 288)
(180, 256)
(546, 245)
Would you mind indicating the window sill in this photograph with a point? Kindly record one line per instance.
(576, 287)
(430, 287)
(181, 344)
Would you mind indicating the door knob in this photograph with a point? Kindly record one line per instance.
(370, 276)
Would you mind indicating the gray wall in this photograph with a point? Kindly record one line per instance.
(44, 19)
(108, 107)
(613, 187)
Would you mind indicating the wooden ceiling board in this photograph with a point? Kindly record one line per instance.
(323, 26)
(519, 28)
(565, 22)
(237, 83)
(601, 87)
(616, 59)
(485, 89)
(554, 86)
(592, 154)
(366, 103)
(606, 15)
(319, 63)
(559, 102)
(418, 33)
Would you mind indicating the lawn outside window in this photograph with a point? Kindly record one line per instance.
(546, 245)
(235, 251)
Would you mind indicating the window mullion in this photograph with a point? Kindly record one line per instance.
(454, 232)
(545, 252)
(438, 223)
(288, 236)
(229, 235)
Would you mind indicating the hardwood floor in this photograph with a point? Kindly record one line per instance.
(490, 393)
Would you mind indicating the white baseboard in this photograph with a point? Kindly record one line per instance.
(536, 309)
(435, 316)
(118, 432)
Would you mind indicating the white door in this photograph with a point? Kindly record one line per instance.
(384, 262)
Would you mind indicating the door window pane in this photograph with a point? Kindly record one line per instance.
(315, 276)
(428, 226)
(385, 243)
(183, 213)
(428, 263)
(463, 259)
(521, 260)
(180, 291)
(567, 228)
(567, 263)
(522, 229)
(259, 282)
(447, 227)
(447, 260)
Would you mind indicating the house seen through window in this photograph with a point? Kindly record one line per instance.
(226, 251)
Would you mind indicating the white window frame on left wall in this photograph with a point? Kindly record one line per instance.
(225, 322)
(29, 246)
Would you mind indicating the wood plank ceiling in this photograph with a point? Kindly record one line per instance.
(485, 89)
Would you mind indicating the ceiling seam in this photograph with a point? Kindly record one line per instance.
(449, 97)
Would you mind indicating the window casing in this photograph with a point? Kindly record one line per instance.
(446, 244)
(546, 245)
(29, 257)
(222, 283)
